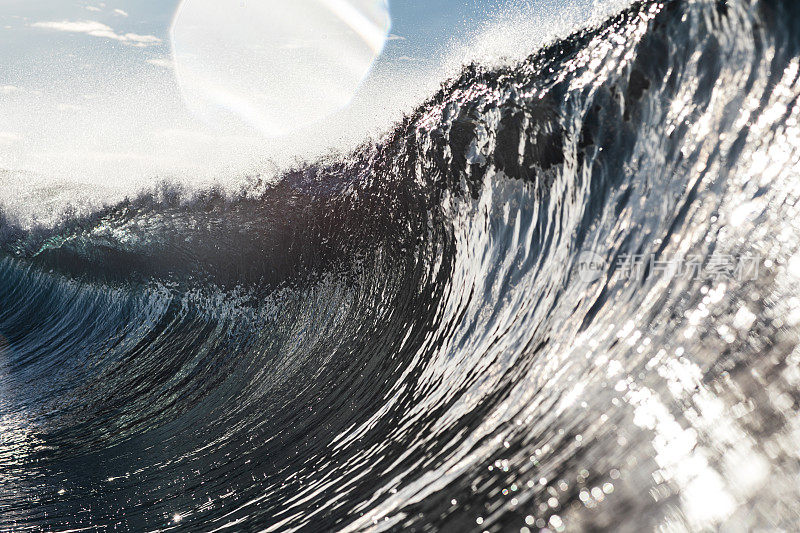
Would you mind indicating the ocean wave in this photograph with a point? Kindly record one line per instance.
(409, 338)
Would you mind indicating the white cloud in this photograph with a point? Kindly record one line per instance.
(142, 39)
(98, 29)
(121, 12)
(9, 89)
(87, 26)
(92, 8)
(162, 62)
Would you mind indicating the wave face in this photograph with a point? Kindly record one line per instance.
(413, 338)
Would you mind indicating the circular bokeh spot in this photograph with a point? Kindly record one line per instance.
(273, 64)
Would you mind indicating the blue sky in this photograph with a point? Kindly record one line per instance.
(39, 45)
(87, 89)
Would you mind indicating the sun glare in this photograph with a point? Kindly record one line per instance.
(275, 65)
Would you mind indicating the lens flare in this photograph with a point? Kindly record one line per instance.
(277, 66)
